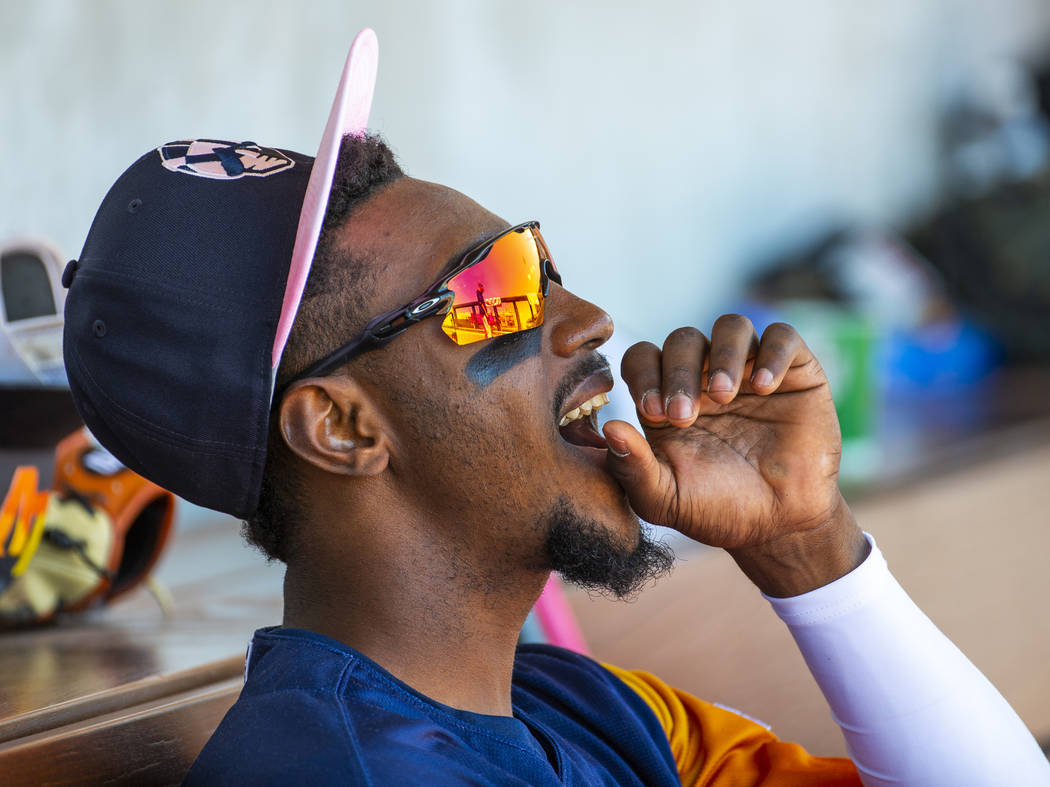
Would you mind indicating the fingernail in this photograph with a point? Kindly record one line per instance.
(680, 407)
(651, 405)
(720, 382)
(618, 446)
(763, 377)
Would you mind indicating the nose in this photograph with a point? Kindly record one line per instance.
(575, 323)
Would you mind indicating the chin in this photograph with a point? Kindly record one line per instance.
(607, 555)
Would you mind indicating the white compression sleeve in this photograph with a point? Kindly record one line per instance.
(912, 707)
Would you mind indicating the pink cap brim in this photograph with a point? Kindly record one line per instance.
(353, 101)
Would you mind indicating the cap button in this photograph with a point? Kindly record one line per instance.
(69, 273)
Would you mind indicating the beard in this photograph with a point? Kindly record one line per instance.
(586, 554)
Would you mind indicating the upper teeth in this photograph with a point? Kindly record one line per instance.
(585, 409)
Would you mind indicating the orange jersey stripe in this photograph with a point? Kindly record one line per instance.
(714, 746)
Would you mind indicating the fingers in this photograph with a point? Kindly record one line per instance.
(680, 366)
(666, 384)
(779, 347)
(631, 461)
(640, 369)
(733, 343)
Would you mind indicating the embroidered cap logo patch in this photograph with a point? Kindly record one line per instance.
(221, 160)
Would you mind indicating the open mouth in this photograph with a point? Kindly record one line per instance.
(579, 425)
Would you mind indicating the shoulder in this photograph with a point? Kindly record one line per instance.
(314, 712)
(591, 707)
(289, 736)
(547, 671)
(289, 723)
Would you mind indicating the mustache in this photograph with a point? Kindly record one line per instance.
(592, 363)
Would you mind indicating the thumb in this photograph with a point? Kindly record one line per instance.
(631, 461)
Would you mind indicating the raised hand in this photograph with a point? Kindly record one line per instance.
(741, 451)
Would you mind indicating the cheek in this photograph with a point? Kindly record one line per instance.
(489, 449)
(490, 464)
(499, 356)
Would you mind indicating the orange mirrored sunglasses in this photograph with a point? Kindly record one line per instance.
(496, 288)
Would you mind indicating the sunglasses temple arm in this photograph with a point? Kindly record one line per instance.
(342, 355)
(368, 340)
(335, 360)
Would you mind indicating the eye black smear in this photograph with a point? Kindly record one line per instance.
(500, 355)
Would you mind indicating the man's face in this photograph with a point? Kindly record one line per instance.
(475, 442)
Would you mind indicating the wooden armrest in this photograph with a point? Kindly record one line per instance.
(152, 743)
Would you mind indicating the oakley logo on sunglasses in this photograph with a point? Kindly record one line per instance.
(427, 305)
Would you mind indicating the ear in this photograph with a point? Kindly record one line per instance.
(331, 423)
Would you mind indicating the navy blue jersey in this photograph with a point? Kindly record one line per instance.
(316, 712)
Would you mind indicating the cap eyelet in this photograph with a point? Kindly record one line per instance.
(98, 328)
(134, 205)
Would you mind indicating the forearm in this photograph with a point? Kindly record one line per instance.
(912, 707)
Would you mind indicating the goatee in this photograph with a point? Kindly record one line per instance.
(587, 554)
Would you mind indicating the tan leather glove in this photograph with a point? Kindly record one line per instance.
(94, 536)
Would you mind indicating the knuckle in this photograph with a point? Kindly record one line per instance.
(775, 348)
(640, 350)
(685, 334)
(781, 329)
(724, 354)
(732, 322)
(638, 357)
(681, 372)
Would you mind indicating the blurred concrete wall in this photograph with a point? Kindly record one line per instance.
(665, 146)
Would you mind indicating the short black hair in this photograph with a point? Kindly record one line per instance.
(328, 316)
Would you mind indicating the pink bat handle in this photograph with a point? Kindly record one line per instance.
(556, 618)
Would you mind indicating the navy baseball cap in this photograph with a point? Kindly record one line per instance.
(183, 297)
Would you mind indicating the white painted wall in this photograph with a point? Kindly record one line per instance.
(665, 146)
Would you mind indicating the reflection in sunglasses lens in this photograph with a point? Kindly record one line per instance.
(500, 294)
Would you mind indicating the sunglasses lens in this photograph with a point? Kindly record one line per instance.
(500, 294)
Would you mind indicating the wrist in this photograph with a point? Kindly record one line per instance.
(799, 562)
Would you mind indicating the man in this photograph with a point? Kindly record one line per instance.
(482, 313)
(414, 551)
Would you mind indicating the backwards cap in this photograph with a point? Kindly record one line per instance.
(183, 298)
